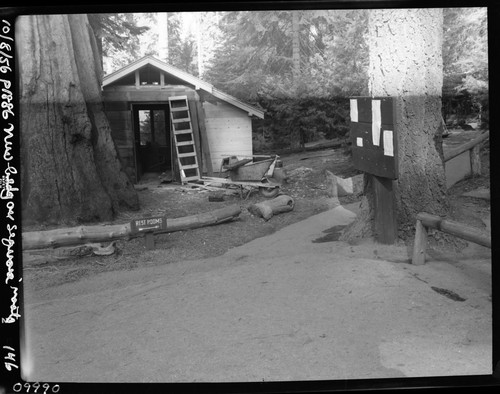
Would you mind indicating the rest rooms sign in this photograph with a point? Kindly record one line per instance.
(148, 224)
(373, 136)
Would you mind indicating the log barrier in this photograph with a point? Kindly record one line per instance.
(101, 233)
(426, 220)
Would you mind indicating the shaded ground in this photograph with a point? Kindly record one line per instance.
(281, 308)
(306, 184)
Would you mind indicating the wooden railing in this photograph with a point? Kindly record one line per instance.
(426, 220)
(475, 147)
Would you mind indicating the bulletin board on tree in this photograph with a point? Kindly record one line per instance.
(374, 136)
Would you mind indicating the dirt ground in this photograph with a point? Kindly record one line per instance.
(306, 184)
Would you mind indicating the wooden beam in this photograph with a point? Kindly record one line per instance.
(204, 139)
(137, 79)
(465, 147)
(475, 160)
(386, 228)
(420, 244)
(196, 131)
(464, 231)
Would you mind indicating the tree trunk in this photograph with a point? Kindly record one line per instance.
(406, 63)
(69, 165)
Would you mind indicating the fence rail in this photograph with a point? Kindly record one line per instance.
(475, 155)
(426, 220)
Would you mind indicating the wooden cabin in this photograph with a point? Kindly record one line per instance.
(137, 101)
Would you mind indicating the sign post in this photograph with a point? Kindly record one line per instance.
(375, 152)
(148, 226)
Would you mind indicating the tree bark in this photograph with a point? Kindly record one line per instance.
(69, 165)
(406, 63)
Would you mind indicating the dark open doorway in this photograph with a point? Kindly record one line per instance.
(153, 150)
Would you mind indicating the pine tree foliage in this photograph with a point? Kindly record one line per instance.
(465, 65)
(117, 36)
(250, 56)
(254, 62)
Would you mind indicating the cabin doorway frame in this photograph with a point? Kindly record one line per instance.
(153, 144)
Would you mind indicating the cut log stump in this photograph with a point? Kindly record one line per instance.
(266, 209)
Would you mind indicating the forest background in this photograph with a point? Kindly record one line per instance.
(301, 67)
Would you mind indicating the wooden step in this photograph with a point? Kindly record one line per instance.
(178, 109)
(191, 178)
(185, 143)
(189, 166)
(185, 131)
(189, 154)
(181, 120)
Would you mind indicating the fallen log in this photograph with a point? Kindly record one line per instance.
(266, 209)
(88, 234)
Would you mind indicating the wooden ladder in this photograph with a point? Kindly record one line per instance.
(183, 139)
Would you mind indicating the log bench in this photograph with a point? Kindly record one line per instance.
(426, 220)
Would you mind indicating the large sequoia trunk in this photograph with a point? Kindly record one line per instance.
(69, 165)
(406, 63)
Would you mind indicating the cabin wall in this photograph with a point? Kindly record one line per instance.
(229, 132)
(118, 102)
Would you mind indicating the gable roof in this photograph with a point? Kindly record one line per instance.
(184, 76)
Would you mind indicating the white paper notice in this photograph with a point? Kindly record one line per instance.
(388, 144)
(376, 122)
(359, 141)
(354, 110)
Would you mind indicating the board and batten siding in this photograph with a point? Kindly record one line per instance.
(229, 132)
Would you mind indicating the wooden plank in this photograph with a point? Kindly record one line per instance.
(196, 129)
(460, 230)
(420, 244)
(386, 228)
(149, 241)
(207, 162)
(137, 79)
(475, 160)
(143, 95)
(236, 164)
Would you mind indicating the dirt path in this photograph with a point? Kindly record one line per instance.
(291, 306)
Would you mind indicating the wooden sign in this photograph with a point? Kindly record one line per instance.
(149, 224)
(374, 136)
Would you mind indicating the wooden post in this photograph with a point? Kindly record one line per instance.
(475, 160)
(420, 244)
(137, 79)
(386, 228)
(196, 131)
(149, 240)
(204, 139)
